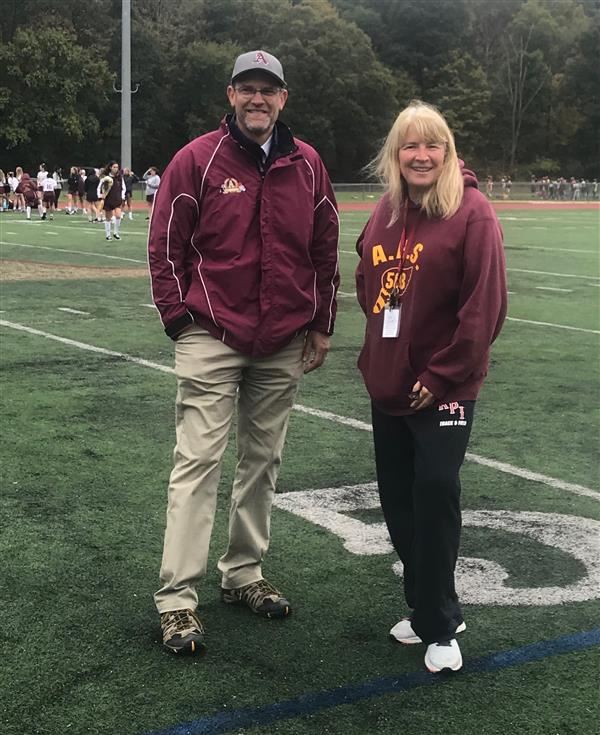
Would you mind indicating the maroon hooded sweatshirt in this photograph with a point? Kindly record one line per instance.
(28, 187)
(452, 294)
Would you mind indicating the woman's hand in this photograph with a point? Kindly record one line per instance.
(421, 397)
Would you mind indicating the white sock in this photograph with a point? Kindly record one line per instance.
(107, 228)
(117, 224)
(130, 215)
(28, 210)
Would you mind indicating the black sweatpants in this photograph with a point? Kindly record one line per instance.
(418, 459)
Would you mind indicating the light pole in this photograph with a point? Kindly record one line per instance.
(126, 90)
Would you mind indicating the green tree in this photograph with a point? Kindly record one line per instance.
(42, 100)
(462, 94)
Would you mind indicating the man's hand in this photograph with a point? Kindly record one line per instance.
(421, 397)
(316, 347)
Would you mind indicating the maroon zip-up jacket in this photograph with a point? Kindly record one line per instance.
(453, 300)
(250, 255)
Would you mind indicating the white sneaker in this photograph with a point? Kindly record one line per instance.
(403, 632)
(444, 656)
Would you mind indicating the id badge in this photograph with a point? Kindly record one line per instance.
(391, 322)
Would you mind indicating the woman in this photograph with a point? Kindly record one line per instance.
(91, 194)
(112, 192)
(20, 199)
(72, 190)
(152, 180)
(129, 178)
(431, 282)
(28, 189)
(57, 176)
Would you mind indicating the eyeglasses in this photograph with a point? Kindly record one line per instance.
(245, 90)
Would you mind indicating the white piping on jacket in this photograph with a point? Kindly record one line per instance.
(337, 262)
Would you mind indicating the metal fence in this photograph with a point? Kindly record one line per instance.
(519, 190)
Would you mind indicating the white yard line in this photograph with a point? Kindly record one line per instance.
(99, 229)
(149, 306)
(556, 275)
(550, 324)
(552, 288)
(73, 311)
(74, 252)
(327, 415)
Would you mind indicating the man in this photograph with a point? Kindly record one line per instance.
(243, 261)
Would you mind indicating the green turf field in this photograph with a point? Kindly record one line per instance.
(86, 454)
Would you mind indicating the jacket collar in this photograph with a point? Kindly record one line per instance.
(282, 145)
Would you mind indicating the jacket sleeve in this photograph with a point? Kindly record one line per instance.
(359, 275)
(174, 216)
(482, 304)
(324, 251)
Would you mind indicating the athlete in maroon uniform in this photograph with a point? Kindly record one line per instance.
(112, 194)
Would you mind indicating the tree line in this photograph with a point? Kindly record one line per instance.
(517, 79)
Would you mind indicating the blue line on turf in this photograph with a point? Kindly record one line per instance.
(310, 703)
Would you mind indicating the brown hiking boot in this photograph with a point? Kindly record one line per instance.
(183, 632)
(261, 597)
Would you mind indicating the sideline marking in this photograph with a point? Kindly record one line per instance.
(554, 288)
(314, 702)
(75, 228)
(557, 275)
(549, 324)
(73, 311)
(76, 252)
(346, 421)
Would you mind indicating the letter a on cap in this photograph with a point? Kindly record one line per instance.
(260, 58)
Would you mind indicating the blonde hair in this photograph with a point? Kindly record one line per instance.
(445, 195)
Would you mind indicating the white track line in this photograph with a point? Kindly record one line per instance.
(549, 324)
(73, 311)
(557, 275)
(553, 288)
(526, 321)
(75, 228)
(75, 252)
(343, 420)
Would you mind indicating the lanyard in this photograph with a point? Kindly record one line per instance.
(394, 297)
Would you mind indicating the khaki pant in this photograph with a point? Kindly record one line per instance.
(210, 378)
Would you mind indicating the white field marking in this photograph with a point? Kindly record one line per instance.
(100, 228)
(47, 232)
(556, 250)
(525, 247)
(346, 295)
(479, 581)
(549, 324)
(529, 321)
(73, 311)
(477, 459)
(343, 420)
(74, 252)
(553, 288)
(9, 233)
(557, 275)
(149, 306)
(88, 347)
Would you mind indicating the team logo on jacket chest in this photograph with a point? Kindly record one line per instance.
(232, 186)
(394, 277)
